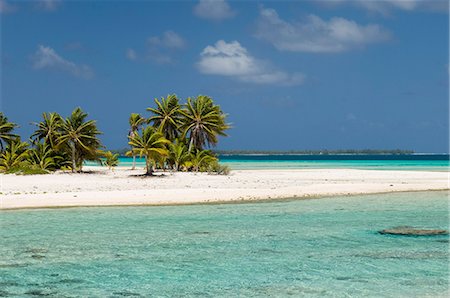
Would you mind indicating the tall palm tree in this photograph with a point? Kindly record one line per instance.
(202, 122)
(48, 129)
(167, 116)
(6, 129)
(151, 144)
(81, 137)
(135, 121)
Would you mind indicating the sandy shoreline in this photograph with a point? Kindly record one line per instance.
(102, 187)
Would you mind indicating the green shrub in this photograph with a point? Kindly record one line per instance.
(110, 159)
(218, 169)
(26, 169)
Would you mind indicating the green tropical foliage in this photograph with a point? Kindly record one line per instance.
(81, 137)
(217, 168)
(200, 160)
(44, 157)
(175, 137)
(202, 122)
(110, 159)
(167, 116)
(15, 155)
(135, 121)
(48, 129)
(151, 144)
(178, 155)
(6, 129)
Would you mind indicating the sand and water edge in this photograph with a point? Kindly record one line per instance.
(98, 186)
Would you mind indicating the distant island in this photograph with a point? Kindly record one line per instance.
(317, 152)
(123, 151)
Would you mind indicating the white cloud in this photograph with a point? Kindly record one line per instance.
(316, 35)
(227, 59)
(48, 5)
(406, 5)
(216, 10)
(131, 54)
(233, 60)
(5, 7)
(160, 49)
(47, 58)
(169, 40)
(385, 6)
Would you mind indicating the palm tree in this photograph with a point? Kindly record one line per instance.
(6, 129)
(151, 144)
(15, 154)
(167, 116)
(136, 120)
(110, 159)
(81, 137)
(48, 129)
(43, 157)
(178, 154)
(202, 122)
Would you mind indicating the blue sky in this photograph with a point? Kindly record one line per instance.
(292, 75)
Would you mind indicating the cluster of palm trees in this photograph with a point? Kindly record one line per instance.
(57, 143)
(176, 135)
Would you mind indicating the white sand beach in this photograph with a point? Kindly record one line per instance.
(102, 187)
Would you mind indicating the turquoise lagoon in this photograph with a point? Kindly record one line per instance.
(426, 162)
(325, 247)
(421, 162)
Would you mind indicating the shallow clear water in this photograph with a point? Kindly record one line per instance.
(421, 165)
(323, 247)
(427, 162)
(430, 162)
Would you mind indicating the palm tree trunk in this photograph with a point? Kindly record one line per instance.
(74, 166)
(134, 162)
(148, 166)
(191, 142)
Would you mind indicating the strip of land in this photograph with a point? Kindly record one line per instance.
(102, 187)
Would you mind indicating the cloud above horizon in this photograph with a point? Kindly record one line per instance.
(6, 7)
(216, 10)
(48, 5)
(159, 48)
(315, 35)
(47, 58)
(233, 60)
(131, 54)
(169, 40)
(385, 6)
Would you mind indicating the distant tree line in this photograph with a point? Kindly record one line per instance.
(318, 152)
